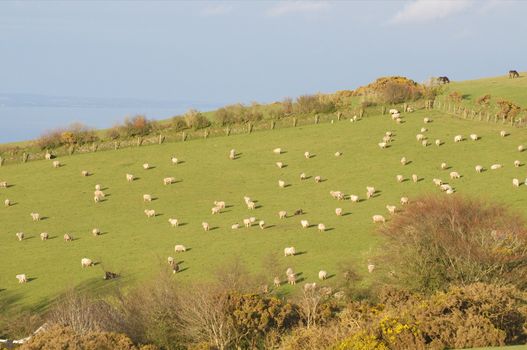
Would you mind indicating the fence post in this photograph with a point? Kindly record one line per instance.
(94, 147)
(71, 150)
(139, 141)
(272, 124)
(316, 118)
(294, 121)
(361, 113)
(24, 157)
(249, 127)
(228, 130)
(161, 139)
(116, 145)
(1, 161)
(339, 113)
(184, 136)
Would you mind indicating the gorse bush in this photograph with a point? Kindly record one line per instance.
(75, 134)
(438, 241)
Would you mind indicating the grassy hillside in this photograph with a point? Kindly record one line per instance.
(137, 247)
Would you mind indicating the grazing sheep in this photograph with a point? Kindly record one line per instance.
(129, 177)
(232, 154)
(479, 169)
(3, 184)
(403, 161)
(252, 219)
(281, 183)
(307, 155)
(47, 156)
(251, 205)
(516, 182)
(280, 165)
(85, 173)
(318, 179)
(338, 211)
(215, 210)
(321, 227)
(382, 145)
(388, 133)
(420, 137)
(474, 137)
(337, 195)
(247, 222)
(427, 120)
(517, 163)
(261, 224)
(67, 238)
(146, 166)
(20, 236)
(56, 164)
(277, 151)
(415, 178)
(495, 166)
(174, 160)
(338, 154)
(449, 191)
(179, 248)
(147, 198)
(7, 203)
(437, 182)
(521, 148)
(235, 226)
(458, 138)
(303, 176)
(277, 282)
(387, 138)
(438, 142)
(424, 143)
(304, 223)
(95, 232)
(391, 209)
(289, 251)
(150, 213)
(99, 193)
(282, 214)
(246, 199)
(291, 279)
(404, 200)
(378, 218)
(310, 286)
(424, 129)
(322, 275)
(370, 190)
(220, 204)
(169, 180)
(503, 133)
(399, 178)
(371, 267)
(444, 166)
(454, 175)
(44, 236)
(445, 187)
(35, 216)
(22, 278)
(85, 262)
(354, 198)
(205, 226)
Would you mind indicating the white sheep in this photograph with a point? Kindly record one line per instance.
(56, 164)
(479, 168)
(307, 155)
(3, 184)
(399, 178)
(338, 211)
(291, 279)
(281, 183)
(444, 166)
(180, 248)
(289, 272)
(146, 166)
(44, 236)
(382, 145)
(99, 193)
(438, 142)
(232, 154)
(85, 262)
(206, 226)
(22, 278)
(277, 151)
(215, 210)
(95, 232)
(517, 163)
(415, 178)
(7, 203)
(503, 133)
(371, 267)
(454, 175)
(247, 222)
(403, 161)
(458, 138)
(516, 182)
(174, 160)
(393, 111)
(220, 204)
(150, 213)
(420, 137)
(169, 180)
(47, 156)
(437, 182)
(378, 218)
(445, 187)
(246, 199)
(261, 224)
(129, 177)
(20, 236)
(318, 179)
(338, 154)
(147, 198)
(277, 282)
(404, 200)
(96, 199)
(354, 198)
(251, 205)
(388, 133)
(391, 209)
(289, 251)
(67, 238)
(495, 166)
(322, 275)
(387, 138)
(304, 223)
(521, 148)
(85, 173)
(423, 129)
(171, 260)
(396, 116)
(321, 227)
(35, 216)
(424, 143)
(370, 190)
(474, 137)
(235, 226)
(449, 191)
(303, 176)
(280, 165)
(427, 120)
(282, 214)
(173, 222)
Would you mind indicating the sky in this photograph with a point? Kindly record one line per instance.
(243, 51)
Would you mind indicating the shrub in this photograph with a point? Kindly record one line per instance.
(75, 134)
(391, 90)
(508, 109)
(314, 104)
(195, 120)
(138, 125)
(483, 101)
(179, 123)
(438, 241)
(455, 97)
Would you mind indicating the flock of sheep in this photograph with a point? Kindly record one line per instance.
(219, 205)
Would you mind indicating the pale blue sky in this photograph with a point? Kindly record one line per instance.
(228, 51)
